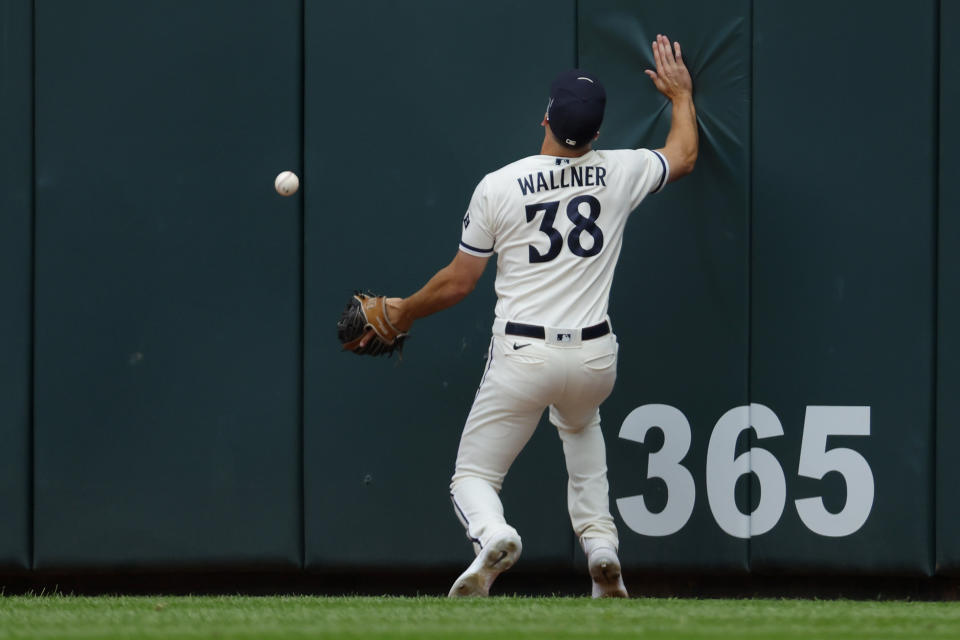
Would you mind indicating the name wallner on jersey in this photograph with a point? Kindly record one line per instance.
(556, 223)
(569, 177)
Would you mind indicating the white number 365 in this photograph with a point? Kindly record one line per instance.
(723, 470)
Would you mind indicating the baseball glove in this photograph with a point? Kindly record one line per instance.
(366, 312)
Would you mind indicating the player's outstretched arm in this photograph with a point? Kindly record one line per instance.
(672, 79)
(449, 286)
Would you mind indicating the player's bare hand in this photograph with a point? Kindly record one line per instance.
(671, 77)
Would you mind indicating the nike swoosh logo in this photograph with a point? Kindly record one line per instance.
(520, 346)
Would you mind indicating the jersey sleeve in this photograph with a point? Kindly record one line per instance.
(477, 237)
(649, 172)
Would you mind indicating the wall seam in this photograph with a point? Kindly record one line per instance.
(574, 542)
(576, 34)
(750, 201)
(303, 279)
(937, 179)
(32, 412)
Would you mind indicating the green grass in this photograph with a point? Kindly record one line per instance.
(499, 617)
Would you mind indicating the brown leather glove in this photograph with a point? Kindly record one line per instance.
(363, 313)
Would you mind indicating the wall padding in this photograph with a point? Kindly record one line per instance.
(16, 266)
(435, 98)
(168, 271)
(842, 305)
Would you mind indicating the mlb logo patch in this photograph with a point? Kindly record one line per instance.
(564, 337)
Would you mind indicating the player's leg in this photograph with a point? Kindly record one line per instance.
(491, 440)
(577, 417)
(592, 372)
(511, 398)
(589, 505)
(587, 489)
(505, 413)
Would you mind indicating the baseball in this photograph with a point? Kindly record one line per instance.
(287, 183)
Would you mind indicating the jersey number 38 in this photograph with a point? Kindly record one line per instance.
(581, 224)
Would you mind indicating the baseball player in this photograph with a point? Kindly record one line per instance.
(556, 222)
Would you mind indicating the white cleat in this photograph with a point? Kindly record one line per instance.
(605, 572)
(499, 555)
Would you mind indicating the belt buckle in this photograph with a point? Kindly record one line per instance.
(560, 337)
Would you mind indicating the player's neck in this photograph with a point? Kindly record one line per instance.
(551, 147)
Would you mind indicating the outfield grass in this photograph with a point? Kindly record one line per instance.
(499, 617)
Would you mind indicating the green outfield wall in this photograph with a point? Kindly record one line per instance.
(844, 283)
(16, 279)
(378, 456)
(947, 437)
(172, 395)
(168, 314)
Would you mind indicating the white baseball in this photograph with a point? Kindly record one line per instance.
(287, 183)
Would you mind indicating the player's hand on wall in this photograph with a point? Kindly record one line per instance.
(671, 78)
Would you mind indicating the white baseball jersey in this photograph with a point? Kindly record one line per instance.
(557, 225)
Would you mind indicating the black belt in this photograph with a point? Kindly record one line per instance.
(535, 331)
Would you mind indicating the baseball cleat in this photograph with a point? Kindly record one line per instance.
(499, 555)
(605, 572)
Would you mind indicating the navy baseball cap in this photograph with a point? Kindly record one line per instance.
(575, 110)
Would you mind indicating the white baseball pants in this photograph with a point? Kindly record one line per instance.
(524, 376)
